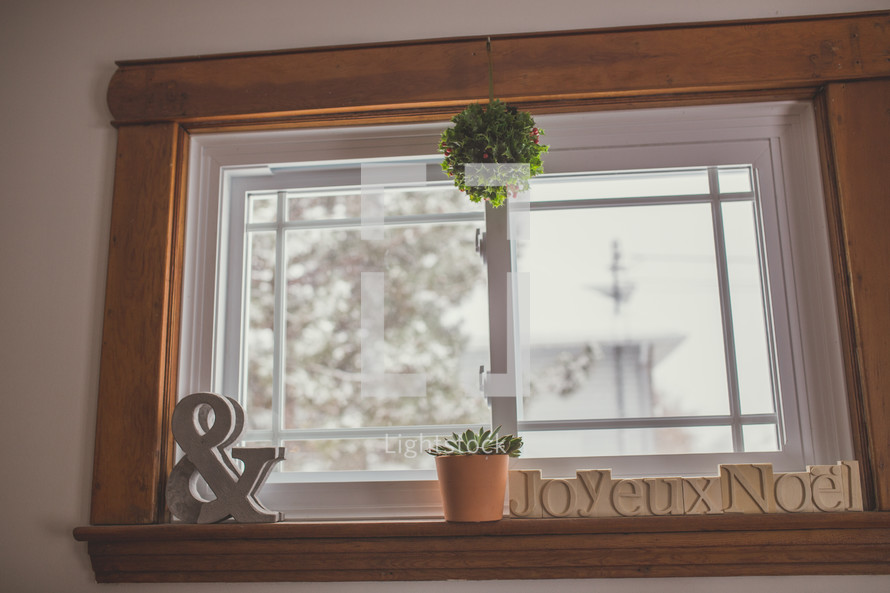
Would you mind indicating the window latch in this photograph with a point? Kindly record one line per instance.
(480, 244)
(483, 376)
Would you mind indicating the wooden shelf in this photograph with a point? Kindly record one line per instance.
(727, 545)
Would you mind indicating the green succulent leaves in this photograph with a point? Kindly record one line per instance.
(489, 134)
(484, 442)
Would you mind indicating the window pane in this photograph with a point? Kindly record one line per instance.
(748, 316)
(260, 342)
(624, 314)
(262, 208)
(434, 296)
(431, 200)
(633, 441)
(323, 205)
(760, 437)
(734, 180)
(340, 203)
(640, 184)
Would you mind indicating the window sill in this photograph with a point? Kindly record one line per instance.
(726, 545)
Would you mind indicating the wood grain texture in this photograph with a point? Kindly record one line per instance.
(510, 549)
(693, 58)
(337, 79)
(133, 381)
(638, 62)
(858, 117)
(843, 295)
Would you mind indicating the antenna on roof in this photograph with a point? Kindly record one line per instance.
(619, 291)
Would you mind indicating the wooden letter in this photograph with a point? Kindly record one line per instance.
(550, 502)
(525, 487)
(628, 492)
(665, 496)
(827, 484)
(793, 493)
(748, 488)
(593, 482)
(852, 485)
(702, 491)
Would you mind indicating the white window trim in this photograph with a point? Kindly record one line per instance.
(782, 134)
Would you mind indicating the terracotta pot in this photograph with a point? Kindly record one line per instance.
(472, 486)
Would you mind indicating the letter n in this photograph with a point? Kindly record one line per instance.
(748, 488)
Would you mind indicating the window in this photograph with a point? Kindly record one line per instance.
(649, 333)
(657, 319)
(708, 65)
(676, 311)
(352, 346)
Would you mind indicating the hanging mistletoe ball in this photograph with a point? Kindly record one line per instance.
(495, 136)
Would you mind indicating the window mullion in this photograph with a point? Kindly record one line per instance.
(393, 432)
(279, 320)
(579, 204)
(645, 422)
(732, 374)
(501, 384)
(244, 309)
(355, 222)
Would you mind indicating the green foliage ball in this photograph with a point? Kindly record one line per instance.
(488, 134)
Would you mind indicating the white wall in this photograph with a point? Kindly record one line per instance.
(56, 165)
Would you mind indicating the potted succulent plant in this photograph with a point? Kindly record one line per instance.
(472, 469)
(495, 135)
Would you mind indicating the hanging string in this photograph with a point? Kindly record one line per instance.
(490, 72)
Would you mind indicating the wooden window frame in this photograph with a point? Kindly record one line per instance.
(841, 62)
